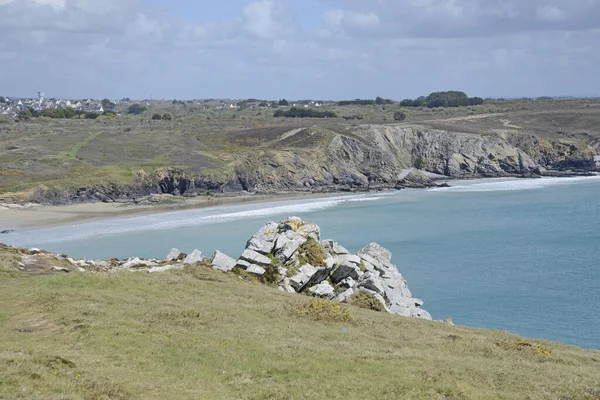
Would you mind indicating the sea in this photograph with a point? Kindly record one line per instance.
(519, 255)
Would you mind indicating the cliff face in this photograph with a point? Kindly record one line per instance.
(350, 157)
(374, 156)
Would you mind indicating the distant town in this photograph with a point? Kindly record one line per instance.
(14, 106)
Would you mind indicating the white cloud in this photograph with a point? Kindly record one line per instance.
(358, 20)
(57, 5)
(266, 19)
(550, 13)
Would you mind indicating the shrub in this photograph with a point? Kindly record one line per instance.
(295, 112)
(136, 109)
(156, 117)
(366, 300)
(312, 253)
(109, 114)
(523, 345)
(90, 115)
(167, 117)
(321, 310)
(399, 116)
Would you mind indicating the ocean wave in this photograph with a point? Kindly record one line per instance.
(515, 184)
(176, 219)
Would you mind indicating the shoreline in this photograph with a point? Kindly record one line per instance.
(44, 216)
(37, 216)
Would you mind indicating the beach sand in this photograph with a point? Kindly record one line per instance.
(39, 216)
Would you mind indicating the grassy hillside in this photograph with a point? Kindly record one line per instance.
(199, 334)
(208, 142)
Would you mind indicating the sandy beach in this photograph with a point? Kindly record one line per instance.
(38, 216)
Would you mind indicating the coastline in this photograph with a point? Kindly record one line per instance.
(43, 216)
(35, 216)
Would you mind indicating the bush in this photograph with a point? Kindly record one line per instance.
(109, 114)
(366, 300)
(295, 112)
(399, 116)
(321, 310)
(156, 117)
(58, 113)
(167, 117)
(136, 109)
(91, 115)
(312, 253)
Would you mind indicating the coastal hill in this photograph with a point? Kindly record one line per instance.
(203, 149)
(182, 328)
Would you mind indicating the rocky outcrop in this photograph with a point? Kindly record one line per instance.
(292, 256)
(289, 255)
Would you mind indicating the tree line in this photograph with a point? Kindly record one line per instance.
(296, 112)
(365, 102)
(443, 99)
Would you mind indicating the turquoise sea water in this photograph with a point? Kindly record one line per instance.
(516, 255)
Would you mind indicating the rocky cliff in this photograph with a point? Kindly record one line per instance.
(349, 157)
(288, 255)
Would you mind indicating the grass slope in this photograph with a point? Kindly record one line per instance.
(199, 334)
(79, 152)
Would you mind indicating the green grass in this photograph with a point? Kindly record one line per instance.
(78, 146)
(199, 334)
(79, 153)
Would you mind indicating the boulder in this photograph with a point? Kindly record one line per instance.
(323, 290)
(343, 271)
(173, 255)
(337, 249)
(344, 296)
(255, 257)
(319, 276)
(165, 268)
(256, 270)
(347, 283)
(222, 262)
(243, 264)
(371, 281)
(347, 258)
(263, 240)
(287, 286)
(60, 269)
(287, 244)
(303, 277)
(377, 255)
(130, 263)
(193, 258)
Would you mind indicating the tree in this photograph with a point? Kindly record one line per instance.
(107, 104)
(475, 101)
(295, 112)
(447, 99)
(136, 109)
(2, 99)
(399, 116)
(284, 102)
(156, 117)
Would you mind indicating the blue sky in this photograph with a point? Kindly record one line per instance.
(317, 49)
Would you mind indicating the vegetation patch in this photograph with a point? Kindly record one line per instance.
(366, 300)
(312, 253)
(321, 310)
(524, 345)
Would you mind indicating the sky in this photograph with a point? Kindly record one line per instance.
(298, 49)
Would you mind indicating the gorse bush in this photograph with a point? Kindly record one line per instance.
(366, 300)
(321, 310)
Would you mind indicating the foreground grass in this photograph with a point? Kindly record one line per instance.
(198, 334)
